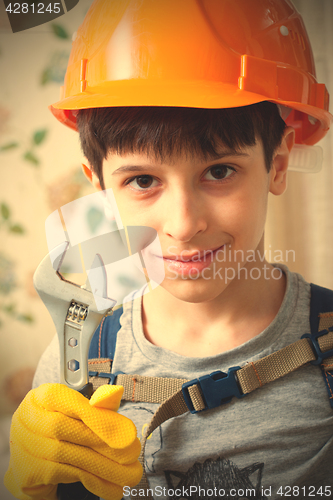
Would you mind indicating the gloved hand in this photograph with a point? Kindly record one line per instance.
(46, 430)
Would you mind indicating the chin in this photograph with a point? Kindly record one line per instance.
(193, 291)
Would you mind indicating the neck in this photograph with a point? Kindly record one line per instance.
(241, 311)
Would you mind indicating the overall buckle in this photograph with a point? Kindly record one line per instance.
(217, 388)
(315, 344)
(111, 376)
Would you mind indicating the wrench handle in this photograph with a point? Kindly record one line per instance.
(76, 491)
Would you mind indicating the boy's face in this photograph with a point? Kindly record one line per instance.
(209, 214)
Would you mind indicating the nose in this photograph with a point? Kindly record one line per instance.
(184, 215)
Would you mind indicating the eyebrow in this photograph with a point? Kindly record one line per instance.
(147, 168)
(132, 168)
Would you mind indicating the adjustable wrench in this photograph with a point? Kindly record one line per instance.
(76, 312)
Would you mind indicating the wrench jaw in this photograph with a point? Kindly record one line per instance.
(76, 312)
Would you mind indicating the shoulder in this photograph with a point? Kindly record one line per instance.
(307, 294)
(104, 340)
(318, 299)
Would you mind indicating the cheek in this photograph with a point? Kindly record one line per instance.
(243, 217)
(126, 214)
(134, 214)
(255, 218)
(124, 209)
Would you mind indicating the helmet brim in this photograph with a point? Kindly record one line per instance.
(208, 95)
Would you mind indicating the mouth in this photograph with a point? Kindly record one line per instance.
(187, 262)
(194, 256)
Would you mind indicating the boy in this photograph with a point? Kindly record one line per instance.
(171, 102)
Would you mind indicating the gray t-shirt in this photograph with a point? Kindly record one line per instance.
(276, 442)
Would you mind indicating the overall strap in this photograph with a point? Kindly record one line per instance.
(311, 348)
(102, 349)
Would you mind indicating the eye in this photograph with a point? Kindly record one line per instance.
(142, 182)
(219, 172)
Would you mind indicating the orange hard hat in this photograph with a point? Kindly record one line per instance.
(195, 53)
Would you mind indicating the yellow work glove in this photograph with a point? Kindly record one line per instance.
(59, 436)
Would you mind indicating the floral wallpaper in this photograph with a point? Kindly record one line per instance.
(27, 192)
(32, 65)
(41, 172)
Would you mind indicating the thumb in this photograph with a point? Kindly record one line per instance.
(107, 396)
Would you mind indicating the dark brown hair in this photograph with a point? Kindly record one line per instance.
(167, 131)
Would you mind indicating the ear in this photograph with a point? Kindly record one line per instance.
(278, 172)
(90, 174)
